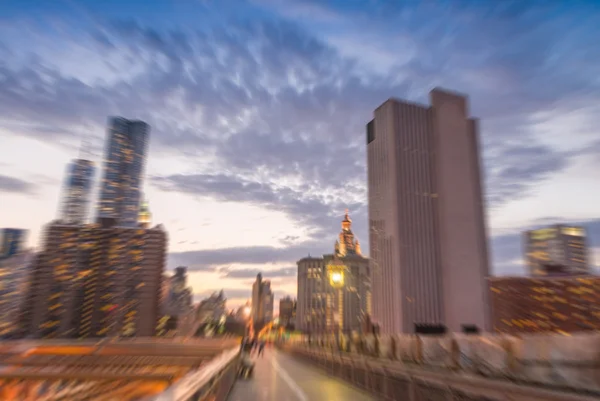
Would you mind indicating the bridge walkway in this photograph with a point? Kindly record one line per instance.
(280, 377)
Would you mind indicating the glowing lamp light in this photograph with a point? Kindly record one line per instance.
(336, 274)
(247, 311)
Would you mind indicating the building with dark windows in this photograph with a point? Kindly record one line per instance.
(120, 189)
(91, 281)
(12, 241)
(334, 291)
(559, 250)
(427, 228)
(76, 192)
(545, 304)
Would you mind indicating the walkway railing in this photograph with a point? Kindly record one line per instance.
(556, 363)
(211, 382)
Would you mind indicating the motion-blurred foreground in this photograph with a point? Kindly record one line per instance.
(85, 370)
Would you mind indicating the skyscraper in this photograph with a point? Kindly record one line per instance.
(76, 191)
(557, 251)
(14, 280)
(125, 153)
(262, 301)
(426, 215)
(180, 296)
(11, 241)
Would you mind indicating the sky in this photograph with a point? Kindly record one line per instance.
(258, 111)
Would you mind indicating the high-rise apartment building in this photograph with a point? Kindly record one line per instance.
(557, 251)
(545, 304)
(120, 189)
(14, 281)
(262, 301)
(91, 281)
(427, 227)
(12, 241)
(334, 291)
(76, 192)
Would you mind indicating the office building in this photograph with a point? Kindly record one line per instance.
(120, 189)
(334, 291)
(557, 251)
(12, 241)
(91, 281)
(14, 281)
(262, 301)
(287, 312)
(180, 295)
(76, 192)
(427, 227)
(545, 304)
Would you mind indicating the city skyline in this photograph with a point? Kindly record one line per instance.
(250, 172)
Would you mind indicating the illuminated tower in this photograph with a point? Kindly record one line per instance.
(76, 192)
(346, 244)
(145, 217)
(125, 154)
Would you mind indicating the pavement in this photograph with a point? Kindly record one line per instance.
(280, 377)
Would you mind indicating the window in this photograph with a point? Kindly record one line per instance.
(370, 131)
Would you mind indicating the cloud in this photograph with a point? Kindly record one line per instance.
(245, 255)
(273, 113)
(16, 185)
(266, 273)
(230, 293)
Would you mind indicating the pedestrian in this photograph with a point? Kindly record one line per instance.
(261, 347)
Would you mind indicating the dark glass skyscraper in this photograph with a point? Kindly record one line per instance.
(126, 146)
(76, 193)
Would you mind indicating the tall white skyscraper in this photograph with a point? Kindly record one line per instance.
(426, 216)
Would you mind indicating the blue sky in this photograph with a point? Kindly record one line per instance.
(258, 110)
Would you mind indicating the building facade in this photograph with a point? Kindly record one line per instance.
(557, 251)
(124, 160)
(287, 311)
(91, 281)
(326, 306)
(262, 301)
(12, 241)
(76, 192)
(14, 283)
(545, 304)
(427, 227)
(180, 295)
